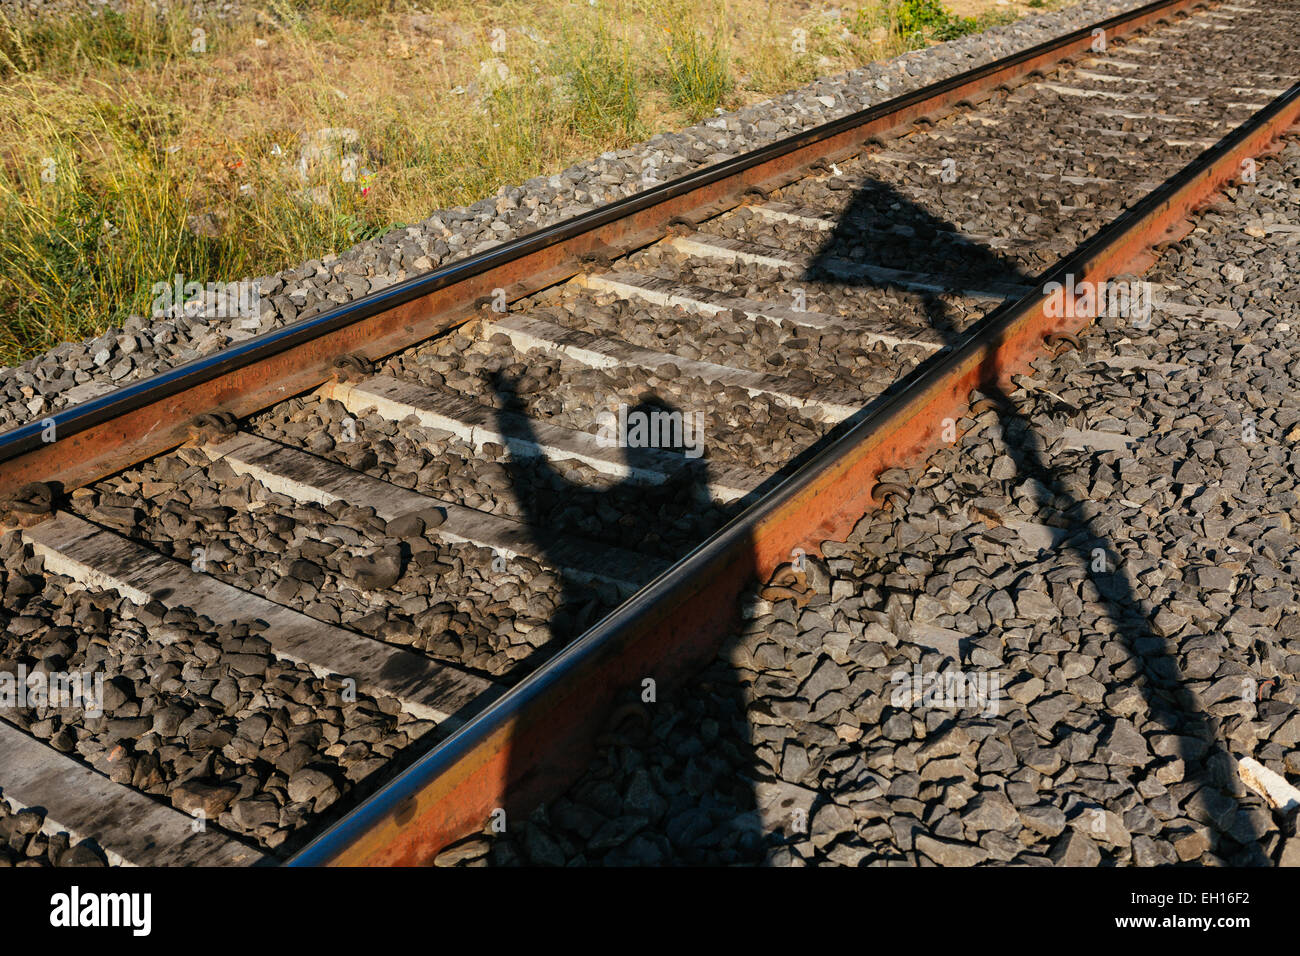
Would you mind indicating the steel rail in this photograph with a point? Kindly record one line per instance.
(537, 738)
(134, 422)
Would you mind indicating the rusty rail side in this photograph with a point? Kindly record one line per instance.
(137, 421)
(537, 739)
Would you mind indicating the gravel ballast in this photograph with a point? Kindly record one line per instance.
(198, 714)
(1101, 571)
(1056, 652)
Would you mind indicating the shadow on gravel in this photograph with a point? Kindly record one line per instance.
(705, 775)
(598, 811)
(556, 508)
(1170, 705)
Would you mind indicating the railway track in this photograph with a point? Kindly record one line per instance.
(359, 584)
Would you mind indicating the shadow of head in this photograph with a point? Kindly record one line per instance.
(654, 432)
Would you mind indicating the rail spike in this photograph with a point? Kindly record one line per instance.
(1058, 343)
(628, 723)
(353, 367)
(32, 503)
(887, 491)
(681, 226)
(212, 427)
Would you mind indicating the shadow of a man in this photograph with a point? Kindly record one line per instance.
(665, 484)
(1171, 707)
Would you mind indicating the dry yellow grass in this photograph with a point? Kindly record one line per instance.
(139, 146)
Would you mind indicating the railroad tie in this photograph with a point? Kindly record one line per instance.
(934, 169)
(132, 829)
(739, 250)
(303, 476)
(1241, 90)
(100, 559)
(479, 424)
(660, 290)
(830, 221)
(980, 138)
(667, 292)
(602, 352)
(1203, 313)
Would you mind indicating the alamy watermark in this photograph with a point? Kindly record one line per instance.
(74, 909)
(57, 689)
(216, 300)
(950, 690)
(643, 427)
(1117, 298)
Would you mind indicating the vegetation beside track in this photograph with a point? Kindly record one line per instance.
(139, 145)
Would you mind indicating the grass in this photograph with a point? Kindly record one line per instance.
(137, 145)
(696, 71)
(917, 23)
